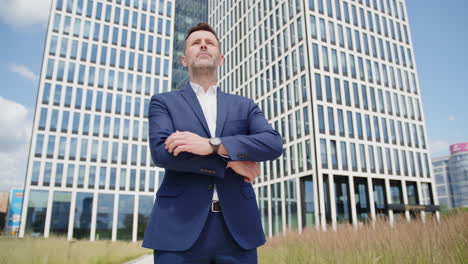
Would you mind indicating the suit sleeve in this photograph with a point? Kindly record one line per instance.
(263, 142)
(160, 128)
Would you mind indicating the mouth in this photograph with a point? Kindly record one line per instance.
(204, 53)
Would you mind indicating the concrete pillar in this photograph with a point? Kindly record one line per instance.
(352, 201)
(370, 191)
(405, 199)
(389, 200)
(331, 187)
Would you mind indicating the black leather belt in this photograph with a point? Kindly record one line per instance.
(215, 207)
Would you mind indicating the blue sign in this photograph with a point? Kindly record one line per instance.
(14, 212)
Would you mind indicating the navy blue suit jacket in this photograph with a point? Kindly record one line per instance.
(184, 198)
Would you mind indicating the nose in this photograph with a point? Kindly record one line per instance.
(203, 45)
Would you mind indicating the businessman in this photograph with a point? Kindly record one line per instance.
(209, 143)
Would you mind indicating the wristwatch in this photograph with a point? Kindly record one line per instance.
(215, 142)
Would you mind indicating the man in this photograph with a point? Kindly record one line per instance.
(209, 143)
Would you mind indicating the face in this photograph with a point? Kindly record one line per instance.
(202, 51)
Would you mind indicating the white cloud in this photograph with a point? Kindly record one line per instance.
(24, 71)
(451, 118)
(25, 12)
(15, 134)
(439, 148)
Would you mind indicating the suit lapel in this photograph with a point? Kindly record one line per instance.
(191, 98)
(222, 111)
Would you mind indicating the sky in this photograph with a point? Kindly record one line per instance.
(439, 32)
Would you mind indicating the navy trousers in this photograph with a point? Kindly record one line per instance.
(214, 246)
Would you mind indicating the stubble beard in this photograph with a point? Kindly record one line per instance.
(203, 68)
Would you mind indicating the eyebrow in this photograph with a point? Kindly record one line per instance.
(206, 39)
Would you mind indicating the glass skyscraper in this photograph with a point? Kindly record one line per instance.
(89, 173)
(187, 14)
(451, 176)
(338, 80)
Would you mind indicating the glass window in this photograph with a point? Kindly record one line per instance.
(104, 218)
(81, 176)
(363, 157)
(83, 212)
(321, 119)
(98, 11)
(315, 54)
(331, 121)
(76, 122)
(77, 27)
(39, 145)
(326, 65)
(36, 214)
(359, 125)
(43, 119)
(57, 19)
(344, 156)
(50, 68)
(371, 158)
(60, 70)
(53, 120)
(102, 177)
(62, 145)
(323, 153)
(353, 157)
(126, 128)
(67, 25)
(313, 26)
(328, 89)
(107, 126)
(350, 124)
(334, 154)
(71, 72)
(347, 93)
(72, 153)
(145, 205)
(125, 217)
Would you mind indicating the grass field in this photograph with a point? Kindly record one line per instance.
(413, 242)
(57, 250)
(406, 242)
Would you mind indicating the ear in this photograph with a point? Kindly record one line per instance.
(183, 59)
(221, 60)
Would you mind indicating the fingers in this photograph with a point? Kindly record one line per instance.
(172, 137)
(181, 148)
(174, 144)
(176, 139)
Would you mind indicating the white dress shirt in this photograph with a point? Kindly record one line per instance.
(208, 104)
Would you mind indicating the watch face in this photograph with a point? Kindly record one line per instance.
(215, 141)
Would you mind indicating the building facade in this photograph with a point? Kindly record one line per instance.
(451, 175)
(338, 80)
(89, 172)
(187, 14)
(441, 174)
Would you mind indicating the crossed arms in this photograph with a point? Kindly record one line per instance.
(189, 152)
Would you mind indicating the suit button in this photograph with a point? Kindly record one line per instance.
(210, 186)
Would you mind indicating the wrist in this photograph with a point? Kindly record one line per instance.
(215, 143)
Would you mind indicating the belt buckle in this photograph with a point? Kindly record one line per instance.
(212, 207)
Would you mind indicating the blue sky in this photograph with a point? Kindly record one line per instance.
(439, 33)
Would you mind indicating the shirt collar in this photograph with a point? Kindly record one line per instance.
(200, 91)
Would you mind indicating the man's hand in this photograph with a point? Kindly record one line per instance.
(188, 142)
(247, 169)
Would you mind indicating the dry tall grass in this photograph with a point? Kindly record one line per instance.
(58, 250)
(406, 242)
(413, 242)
